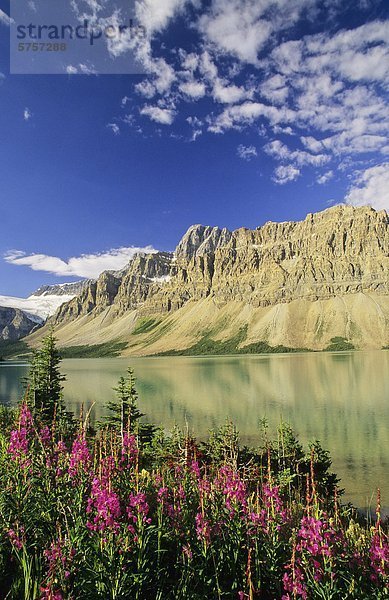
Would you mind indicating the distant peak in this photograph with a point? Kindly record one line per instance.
(202, 239)
(62, 289)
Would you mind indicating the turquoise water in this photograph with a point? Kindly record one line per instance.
(341, 398)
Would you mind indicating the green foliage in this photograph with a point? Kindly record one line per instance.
(106, 350)
(264, 348)
(223, 445)
(8, 417)
(110, 517)
(208, 346)
(14, 350)
(293, 465)
(86, 519)
(44, 389)
(123, 413)
(339, 344)
(145, 324)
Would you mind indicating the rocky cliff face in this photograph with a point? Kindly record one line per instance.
(14, 324)
(337, 253)
(200, 240)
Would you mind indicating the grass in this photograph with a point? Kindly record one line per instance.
(106, 350)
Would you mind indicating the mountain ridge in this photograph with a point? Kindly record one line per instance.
(14, 324)
(326, 275)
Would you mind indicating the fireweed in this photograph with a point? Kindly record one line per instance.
(108, 516)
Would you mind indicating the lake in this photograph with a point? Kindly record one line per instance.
(340, 398)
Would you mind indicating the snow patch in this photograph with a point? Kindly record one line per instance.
(38, 307)
(163, 279)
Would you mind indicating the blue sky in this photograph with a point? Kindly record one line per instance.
(248, 111)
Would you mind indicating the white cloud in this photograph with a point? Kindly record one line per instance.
(5, 19)
(283, 174)
(326, 89)
(197, 127)
(114, 128)
(229, 94)
(235, 117)
(27, 114)
(242, 27)
(87, 69)
(207, 67)
(163, 76)
(284, 130)
(165, 116)
(86, 265)
(325, 177)
(246, 152)
(351, 53)
(193, 89)
(146, 89)
(312, 144)
(274, 89)
(371, 187)
(81, 69)
(155, 15)
(330, 78)
(299, 157)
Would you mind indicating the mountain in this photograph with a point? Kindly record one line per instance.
(299, 284)
(62, 289)
(45, 301)
(14, 324)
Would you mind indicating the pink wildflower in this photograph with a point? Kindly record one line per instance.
(25, 417)
(49, 594)
(106, 505)
(129, 454)
(18, 444)
(186, 550)
(379, 556)
(138, 509)
(54, 554)
(294, 583)
(316, 537)
(233, 488)
(16, 538)
(194, 467)
(45, 436)
(203, 529)
(80, 458)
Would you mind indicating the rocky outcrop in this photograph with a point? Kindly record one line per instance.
(343, 250)
(200, 240)
(14, 324)
(340, 252)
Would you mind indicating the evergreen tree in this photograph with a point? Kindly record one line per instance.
(124, 412)
(44, 389)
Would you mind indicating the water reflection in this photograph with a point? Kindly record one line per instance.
(339, 398)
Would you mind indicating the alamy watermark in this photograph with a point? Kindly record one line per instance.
(75, 36)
